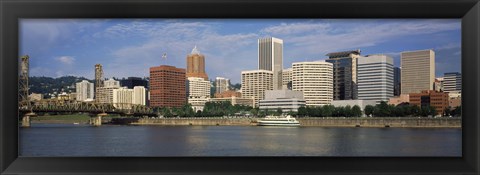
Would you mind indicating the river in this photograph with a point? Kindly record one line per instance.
(159, 141)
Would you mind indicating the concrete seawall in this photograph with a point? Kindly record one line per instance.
(324, 122)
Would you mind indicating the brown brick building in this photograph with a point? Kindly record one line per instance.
(196, 64)
(438, 100)
(167, 86)
(228, 93)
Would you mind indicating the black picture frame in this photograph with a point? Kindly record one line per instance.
(12, 10)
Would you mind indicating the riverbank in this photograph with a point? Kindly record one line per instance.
(321, 122)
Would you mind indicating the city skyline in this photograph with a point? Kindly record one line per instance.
(71, 47)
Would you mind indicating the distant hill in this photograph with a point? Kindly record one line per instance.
(49, 85)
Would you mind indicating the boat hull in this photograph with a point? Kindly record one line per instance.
(278, 124)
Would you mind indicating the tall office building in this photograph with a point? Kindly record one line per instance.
(221, 85)
(418, 71)
(255, 83)
(344, 74)
(287, 78)
(122, 98)
(98, 79)
(198, 91)
(131, 82)
(196, 64)
(270, 57)
(105, 93)
(452, 82)
(315, 80)
(167, 86)
(84, 90)
(375, 78)
(139, 95)
(397, 77)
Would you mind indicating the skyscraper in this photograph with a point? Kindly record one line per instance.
(84, 90)
(167, 86)
(221, 85)
(315, 80)
(344, 74)
(98, 79)
(198, 91)
(270, 57)
(452, 82)
(287, 78)
(397, 77)
(375, 78)
(418, 71)
(196, 64)
(255, 83)
(131, 82)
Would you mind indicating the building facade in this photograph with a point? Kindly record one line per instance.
(229, 93)
(131, 82)
(105, 93)
(221, 84)
(397, 79)
(255, 83)
(196, 64)
(287, 78)
(452, 82)
(438, 84)
(286, 100)
(438, 100)
(140, 95)
(270, 57)
(167, 86)
(418, 71)
(122, 98)
(84, 90)
(375, 78)
(315, 80)
(236, 101)
(344, 74)
(198, 90)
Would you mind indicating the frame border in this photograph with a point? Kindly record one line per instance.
(12, 10)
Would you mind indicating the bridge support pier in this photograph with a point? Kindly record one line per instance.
(26, 119)
(97, 121)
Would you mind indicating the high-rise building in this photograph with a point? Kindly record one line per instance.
(375, 78)
(315, 80)
(196, 64)
(221, 84)
(255, 83)
(198, 91)
(418, 71)
(98, 79)
(344, 74)
(105, 93)
(84, 90)
(397, 78)
(287, 78)
(452, 82)
(122, 98)
(167, 86)
(131, 82)
(270, 57)
(139, 95)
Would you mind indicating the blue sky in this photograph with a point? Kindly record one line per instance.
(129, 47)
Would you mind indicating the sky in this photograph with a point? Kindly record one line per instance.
(129, 47)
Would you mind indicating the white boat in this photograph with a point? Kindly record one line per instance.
(76, 123)
(278, 121)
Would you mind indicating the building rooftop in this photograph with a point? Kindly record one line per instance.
(343, 53)
(195, 50)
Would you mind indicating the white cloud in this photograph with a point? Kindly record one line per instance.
(68, 60)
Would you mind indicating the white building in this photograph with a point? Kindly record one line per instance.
(287, 100)
(287, 78)
(360, 103)
(105, 93)
(375, 78)
(236, 101)
(122, 98)
(84, 91)
(221, 84)
(255, 83)
(198, 91)
(315, 80)
(270, 57)
(452, 82)
(139, 95)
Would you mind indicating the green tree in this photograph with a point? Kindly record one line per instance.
(447, 111)
(356, 111)
(302, 111)
(369, 109)
(348, 111)
(415, 110)
(328, 110)
(279, 111)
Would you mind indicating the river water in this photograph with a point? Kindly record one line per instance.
(159, 141)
